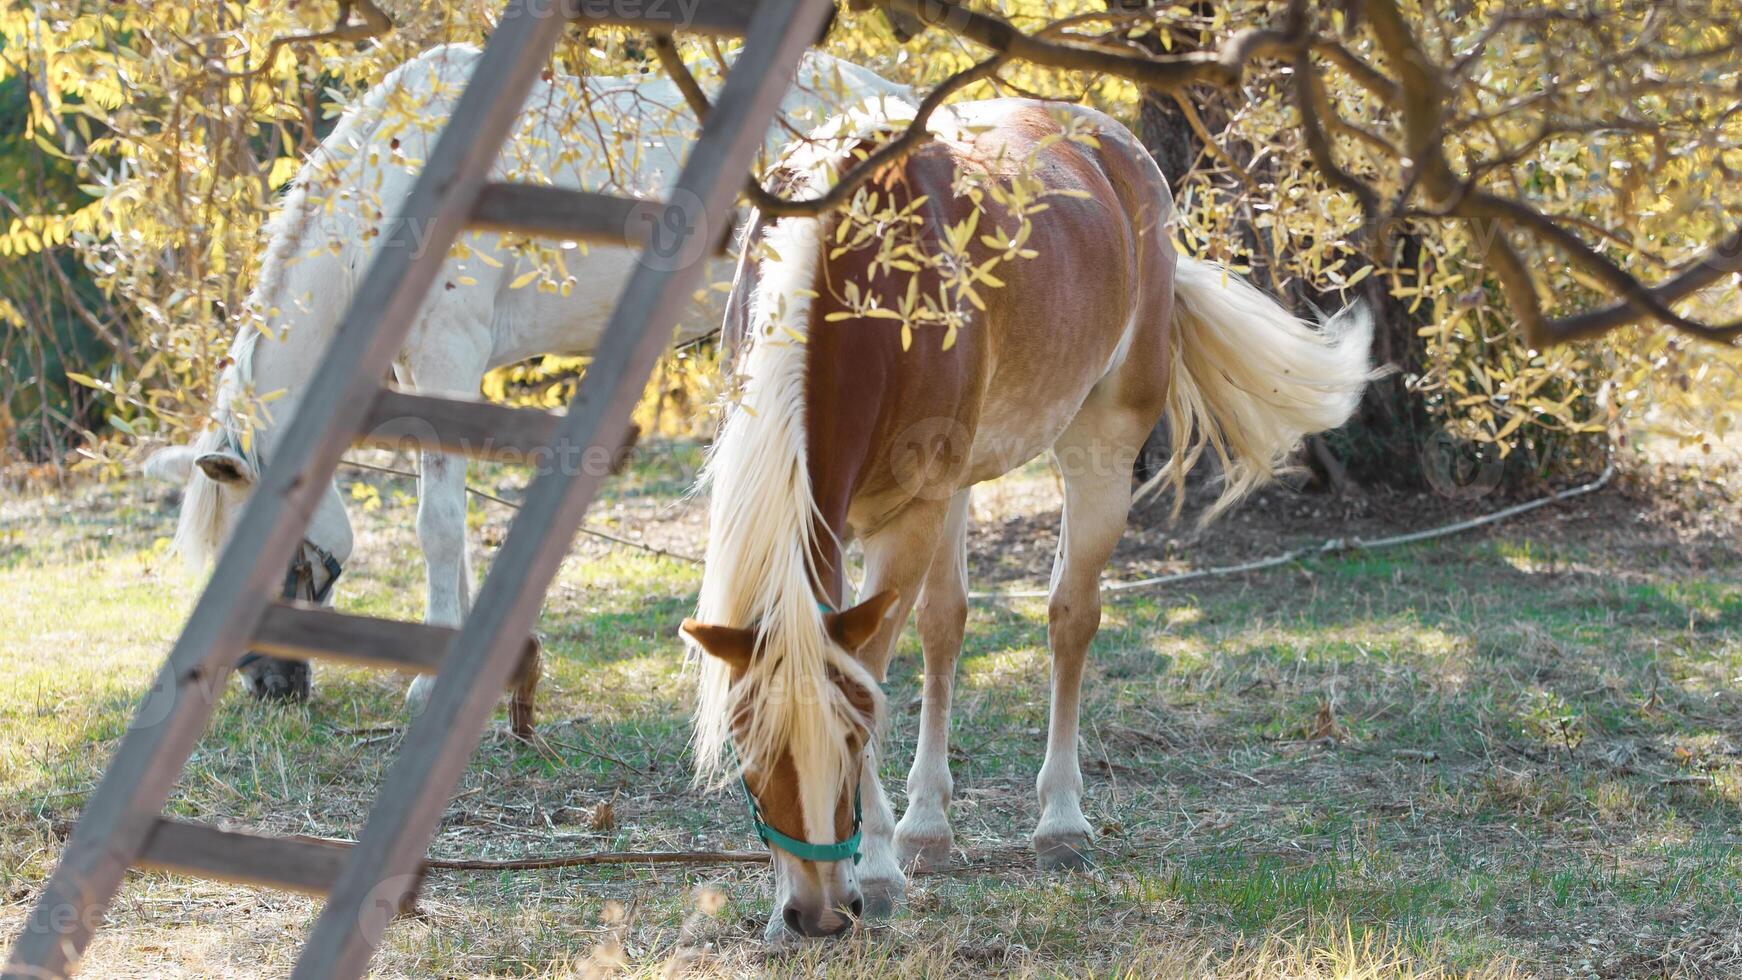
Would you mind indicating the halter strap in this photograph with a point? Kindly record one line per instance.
(300, 569)
(802, 849)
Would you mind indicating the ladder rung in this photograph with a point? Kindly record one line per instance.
(297, 864)
(555, 212)
(478, 429)
(730, 17)
(302, 631)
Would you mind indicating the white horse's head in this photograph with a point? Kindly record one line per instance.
(217, 477)
(217, 474)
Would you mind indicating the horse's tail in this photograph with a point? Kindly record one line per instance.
(1250, 380)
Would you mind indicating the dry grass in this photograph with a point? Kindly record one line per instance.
(1516, 753)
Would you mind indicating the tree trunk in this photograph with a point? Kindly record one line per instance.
(1382, 443)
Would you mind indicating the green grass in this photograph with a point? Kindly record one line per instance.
(1513, 751)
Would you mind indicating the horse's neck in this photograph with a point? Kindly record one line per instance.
(284, 361)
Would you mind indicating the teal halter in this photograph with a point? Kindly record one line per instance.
(801, 849)
(805, 850)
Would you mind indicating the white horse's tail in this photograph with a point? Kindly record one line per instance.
(1250, 380)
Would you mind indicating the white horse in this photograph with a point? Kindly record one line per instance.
(493, 304)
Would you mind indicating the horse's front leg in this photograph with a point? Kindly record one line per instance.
(896, 557)
(445, 359)
(441, 530)
(923, 837)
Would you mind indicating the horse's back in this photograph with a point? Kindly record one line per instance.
(1064, 325)
(1092, 299)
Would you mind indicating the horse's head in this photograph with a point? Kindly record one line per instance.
(803, 785)
(217, 475)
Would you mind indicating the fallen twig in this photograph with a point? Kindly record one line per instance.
(1334, 545)
(599, 857)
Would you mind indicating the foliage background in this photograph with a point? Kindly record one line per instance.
(142, 146)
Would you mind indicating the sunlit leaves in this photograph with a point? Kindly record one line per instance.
(1629, 149)
(1640, 155)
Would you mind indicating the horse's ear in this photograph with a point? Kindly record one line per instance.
(853, 628)
(732, 644)
(173, 464)
(224, 468)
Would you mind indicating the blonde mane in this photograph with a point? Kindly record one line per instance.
(763, 524)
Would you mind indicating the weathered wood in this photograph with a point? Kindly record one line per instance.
(465, 427)
(441, 741)
(123, 811)
(554, 212)
(299, 864)
(303, 632)
(725, 17)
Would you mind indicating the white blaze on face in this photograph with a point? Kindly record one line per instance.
(819, 780)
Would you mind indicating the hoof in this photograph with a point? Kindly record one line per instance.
(271, 679)
(1066, 852)
(927, 853)
(417, 695)
(883, 898)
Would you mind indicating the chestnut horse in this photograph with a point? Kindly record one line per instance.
(842, 434)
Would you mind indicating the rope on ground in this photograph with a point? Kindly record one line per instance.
(1332, 545)
(589, 531)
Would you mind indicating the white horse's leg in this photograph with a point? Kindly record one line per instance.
(441, 509)
(923, 837)
(1094, 457)
(896, 557)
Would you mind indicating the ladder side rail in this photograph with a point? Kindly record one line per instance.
(123, 810)
(383, 869)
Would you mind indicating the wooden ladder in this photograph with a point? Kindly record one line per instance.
(367, 884)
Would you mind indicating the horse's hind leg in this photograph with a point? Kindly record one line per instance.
(1094, 457)
(923, 837)
(522, 696)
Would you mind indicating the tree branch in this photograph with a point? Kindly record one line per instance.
(1314, 106)
(1412, 83)
(375, 22)
(666, 49)
(1642, 301)
(884, 155)
(1367, 76)
(1222, 67)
